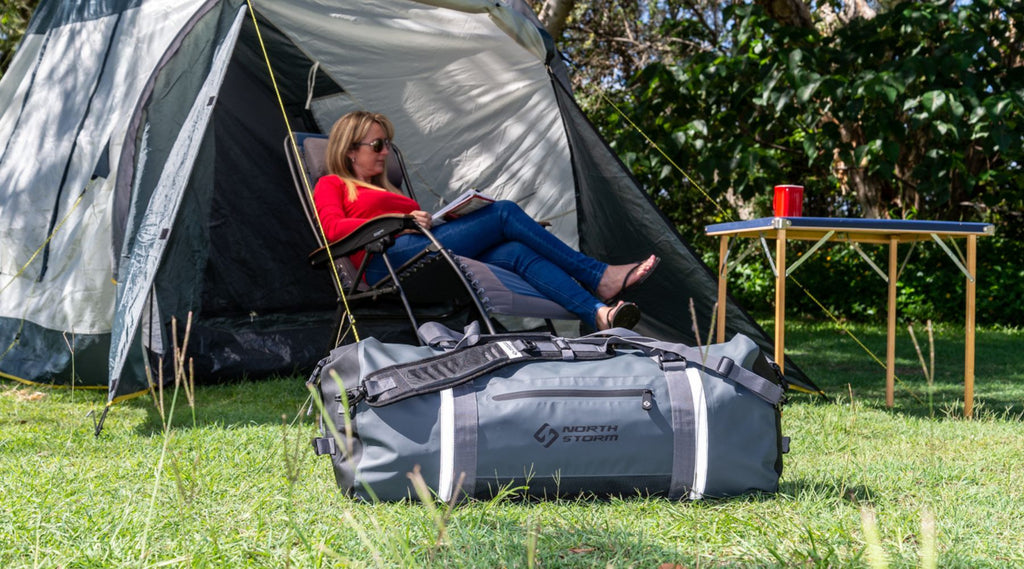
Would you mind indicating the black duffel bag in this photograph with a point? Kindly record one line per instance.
(607, 414)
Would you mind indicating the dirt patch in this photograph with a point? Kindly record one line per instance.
(19, 394)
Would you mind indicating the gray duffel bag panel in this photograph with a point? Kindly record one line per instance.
(641, 421)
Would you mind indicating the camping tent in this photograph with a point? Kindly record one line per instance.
(142, 176)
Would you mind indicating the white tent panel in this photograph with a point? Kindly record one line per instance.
(14, 89)
(79, 293)
(510, 21)
(38, 143)
(472, 107)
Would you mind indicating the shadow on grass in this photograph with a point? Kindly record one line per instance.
(564, 532)
(840, 364)
(996, 402)
(805, 489)
(240, 403)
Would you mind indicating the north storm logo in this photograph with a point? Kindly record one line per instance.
(545, 435)
(548, 435)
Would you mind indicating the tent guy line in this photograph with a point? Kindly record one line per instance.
(298, 155)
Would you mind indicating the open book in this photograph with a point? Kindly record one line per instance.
(468, 202)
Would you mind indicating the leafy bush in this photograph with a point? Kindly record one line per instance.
(915, 114)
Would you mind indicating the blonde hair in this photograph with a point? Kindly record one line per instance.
(345, 133)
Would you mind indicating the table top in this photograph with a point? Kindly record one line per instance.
(850, 229)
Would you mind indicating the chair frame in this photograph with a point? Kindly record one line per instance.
(375, 237)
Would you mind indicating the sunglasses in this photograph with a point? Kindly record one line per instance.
(377, 145)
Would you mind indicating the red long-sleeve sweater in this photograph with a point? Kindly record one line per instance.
(341, 216)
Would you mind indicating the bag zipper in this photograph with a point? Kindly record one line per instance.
(646, 395)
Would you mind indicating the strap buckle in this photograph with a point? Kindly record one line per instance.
(725, 366)
(563, 346)
(325, 445)
(667, 360)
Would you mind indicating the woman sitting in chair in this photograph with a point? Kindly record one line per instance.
(501, 234)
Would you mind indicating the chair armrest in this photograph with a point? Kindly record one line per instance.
(381, 227)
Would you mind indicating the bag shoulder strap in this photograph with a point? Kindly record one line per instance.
(462, 364)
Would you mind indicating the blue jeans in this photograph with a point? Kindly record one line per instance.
(501, 234)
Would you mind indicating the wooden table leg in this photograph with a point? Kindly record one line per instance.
(780, 299)
(972, 268)
(723, 250)
(890, 340)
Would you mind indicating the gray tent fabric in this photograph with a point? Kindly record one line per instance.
(143, 179)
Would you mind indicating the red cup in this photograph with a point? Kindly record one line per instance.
(789, 201)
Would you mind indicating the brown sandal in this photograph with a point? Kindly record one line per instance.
(624, 315)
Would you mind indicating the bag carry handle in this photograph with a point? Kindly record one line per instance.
(438, 335)
(724, 366)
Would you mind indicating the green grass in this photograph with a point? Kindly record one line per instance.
(241, 487)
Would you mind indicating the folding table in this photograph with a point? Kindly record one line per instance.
(856, 231)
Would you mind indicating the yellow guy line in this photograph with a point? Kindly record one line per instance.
(18, 274)
(302, 167)
(52, 385)
(45, 242)
(728, 214)
(731, 216)
(850, 333)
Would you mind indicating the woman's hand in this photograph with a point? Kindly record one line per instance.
(423, 219)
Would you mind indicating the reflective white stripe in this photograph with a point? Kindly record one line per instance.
(446, 424)
(700, 419)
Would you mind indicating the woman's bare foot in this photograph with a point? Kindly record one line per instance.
(617, 278)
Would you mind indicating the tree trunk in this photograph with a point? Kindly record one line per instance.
(554, 13)
(789, 12)
(854, 178)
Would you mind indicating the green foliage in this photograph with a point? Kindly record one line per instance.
(14, 16)
(917, 113)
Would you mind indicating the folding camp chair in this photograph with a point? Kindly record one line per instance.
(434, 285)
